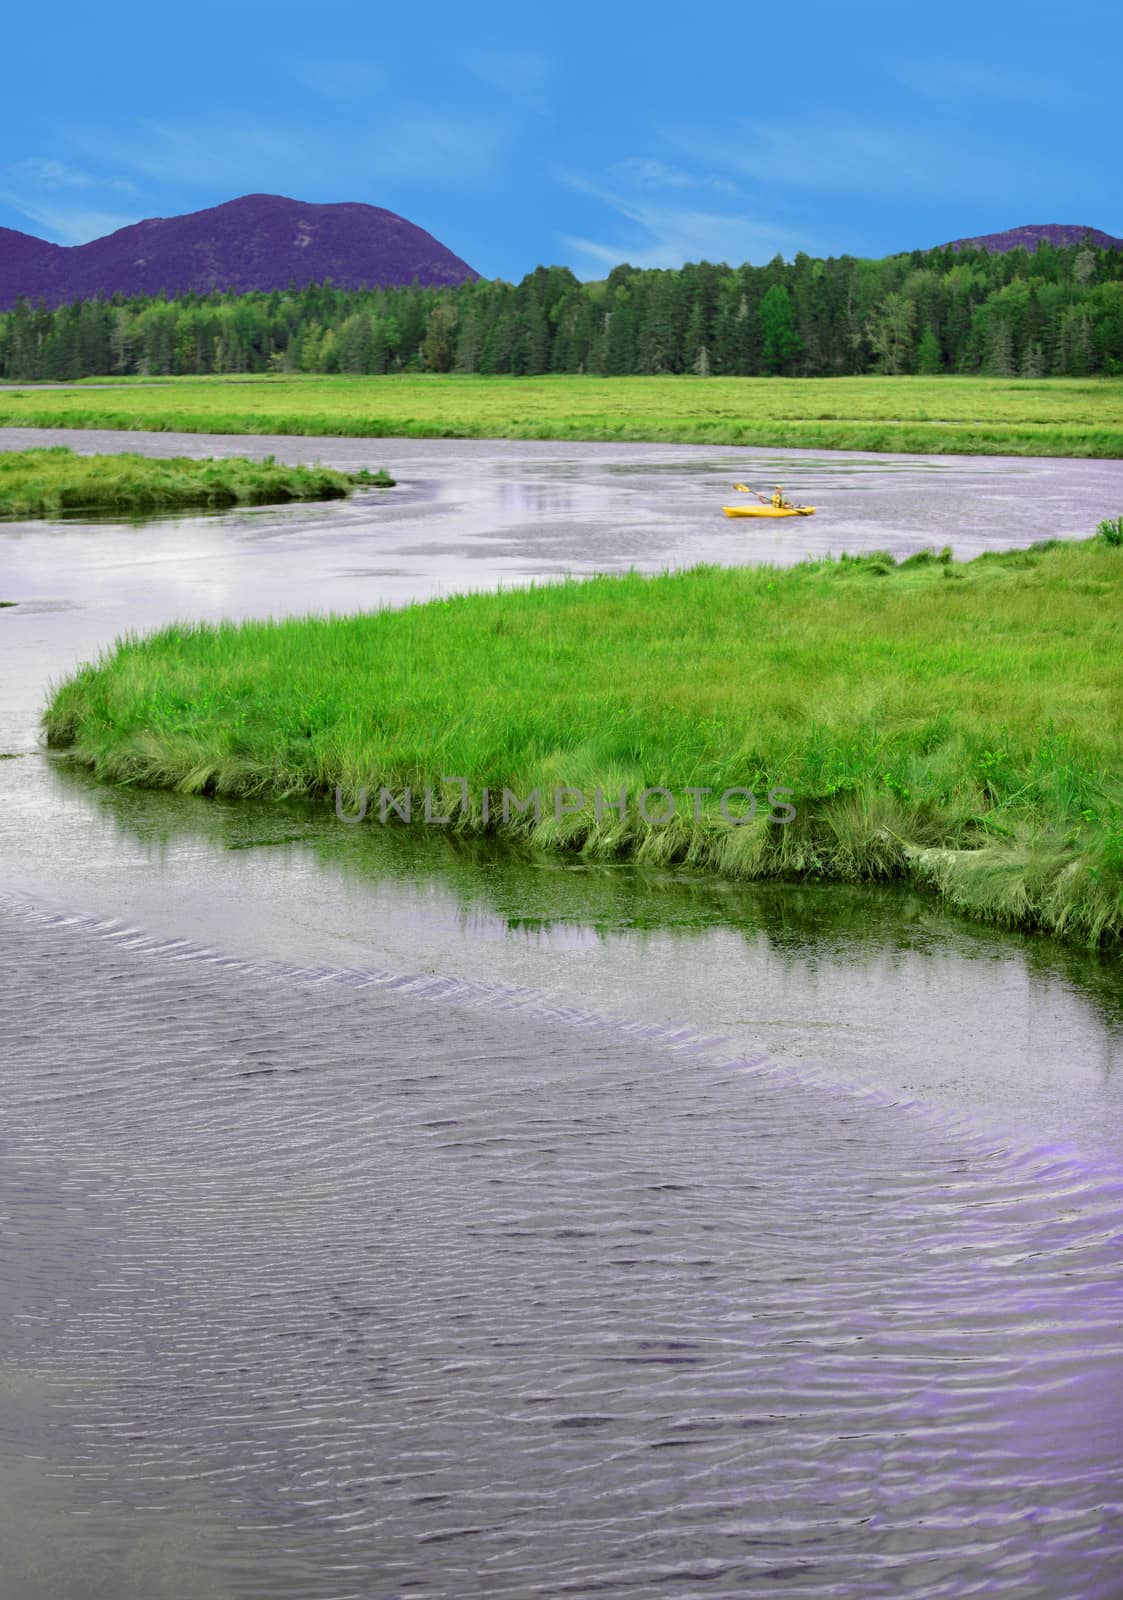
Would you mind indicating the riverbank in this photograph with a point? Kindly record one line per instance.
(950, 724)
(929, 416)
(38, 483)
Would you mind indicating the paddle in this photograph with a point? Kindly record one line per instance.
(766, 500)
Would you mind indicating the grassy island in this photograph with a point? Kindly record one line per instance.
(953, 724)
(936, 415)
(38, 483)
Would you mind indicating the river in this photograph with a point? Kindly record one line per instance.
(387, 1216)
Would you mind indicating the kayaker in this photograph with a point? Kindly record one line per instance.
(778, 500)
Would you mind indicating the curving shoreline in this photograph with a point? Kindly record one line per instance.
(56, 481)
(948, 724)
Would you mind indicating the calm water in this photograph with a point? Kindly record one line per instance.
(470, 513)
(385, 1217)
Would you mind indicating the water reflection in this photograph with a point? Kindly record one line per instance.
(528, 890)
(867, 985)
(437, 1269)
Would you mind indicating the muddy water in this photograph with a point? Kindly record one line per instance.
(382, 1217)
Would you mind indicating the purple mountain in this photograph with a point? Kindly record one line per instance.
(261, 241)
(1058, 233)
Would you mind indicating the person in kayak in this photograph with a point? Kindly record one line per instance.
(778, 500)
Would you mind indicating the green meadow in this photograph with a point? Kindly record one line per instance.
(954, 725)
(38, 483)
(940, 415)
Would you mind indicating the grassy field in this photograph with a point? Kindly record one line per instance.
(37, 483)
(970, 416)
(954, 725)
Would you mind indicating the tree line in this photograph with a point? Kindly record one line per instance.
(1057, 311)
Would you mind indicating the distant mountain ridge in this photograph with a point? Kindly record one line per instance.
(1033, 234)
(260, 241)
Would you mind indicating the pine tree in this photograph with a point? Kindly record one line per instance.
(120, 341)
(379, 353)
(438, 351)
(1000, 348)
(1033, 361)
(777, 324)
(1058, 310)
(620, 344)
(889, 331)
(1084, 267)
(354, 343)
(733, 337)
(929, 360)
(534, 344)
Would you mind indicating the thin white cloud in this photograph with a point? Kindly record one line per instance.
(643, 173)
(522, 75)
(431, 147)
(47, 174)
(66, 225)
(68, 204)
(199, 155)
(412, 146)
(668, 238)
(661, 235)
(608, 255)
(846, 156)
(341, 80)
(961, 80)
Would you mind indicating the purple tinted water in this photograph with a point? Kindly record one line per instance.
(346, 1286)
(465, 1283)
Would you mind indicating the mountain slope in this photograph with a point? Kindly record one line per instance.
(260, 241)
(1033, 234)
(23, 259)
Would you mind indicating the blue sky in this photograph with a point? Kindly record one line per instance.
(581, 134)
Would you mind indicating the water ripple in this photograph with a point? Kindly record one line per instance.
(370, 1285)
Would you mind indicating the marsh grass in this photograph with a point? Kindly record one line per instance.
(964, 735)
(944, 415)
(37, 483)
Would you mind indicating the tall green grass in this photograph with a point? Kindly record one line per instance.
(945, 415)
(36, 483)
(955, 725)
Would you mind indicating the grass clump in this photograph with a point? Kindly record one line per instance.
(38, 483)
(965, 736)
(1111, 529)
(926, 415)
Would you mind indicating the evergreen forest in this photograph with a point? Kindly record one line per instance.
(1055, 312)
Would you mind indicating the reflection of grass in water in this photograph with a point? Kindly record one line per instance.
(25, 1385)
(968, 416)
(962, 734)
(535, 891)
(164, 1556)
(60, 1544)
(36, 483)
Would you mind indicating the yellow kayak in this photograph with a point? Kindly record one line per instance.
(769, 511)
